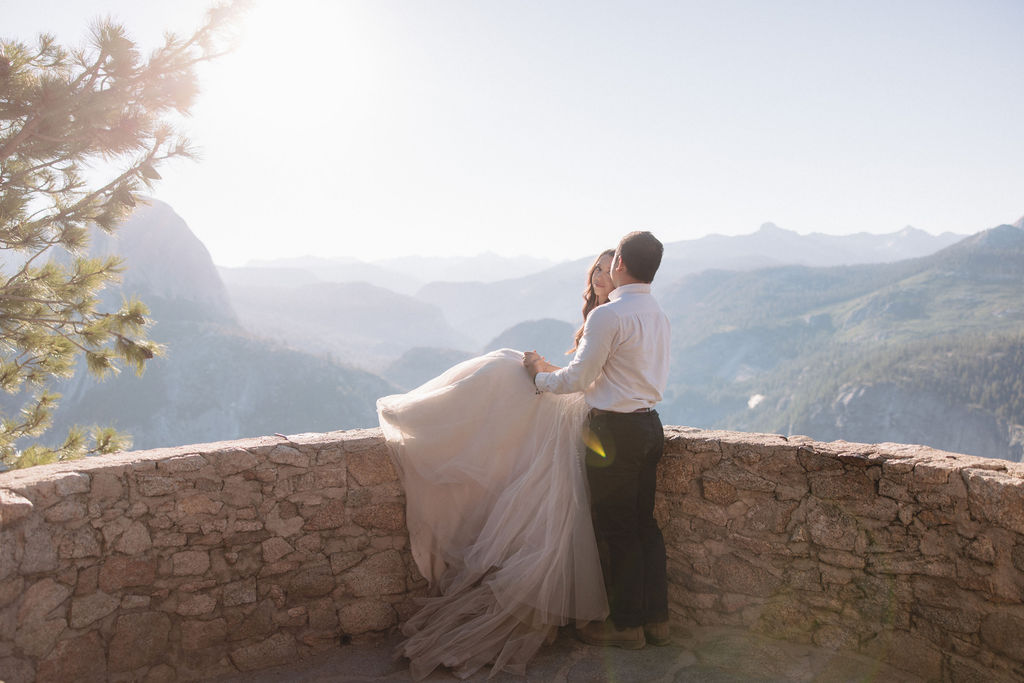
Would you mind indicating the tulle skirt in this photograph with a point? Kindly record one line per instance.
(497, 512)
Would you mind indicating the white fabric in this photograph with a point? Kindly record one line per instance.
(622, 361)
(498, 516)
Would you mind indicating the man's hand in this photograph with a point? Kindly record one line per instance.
(535, 363)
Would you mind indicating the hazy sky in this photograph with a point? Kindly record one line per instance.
(370, 128)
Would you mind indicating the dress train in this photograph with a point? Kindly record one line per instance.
(498, 517)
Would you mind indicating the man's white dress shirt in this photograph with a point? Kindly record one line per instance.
(622, 361)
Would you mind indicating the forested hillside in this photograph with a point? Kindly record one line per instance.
(926, 350)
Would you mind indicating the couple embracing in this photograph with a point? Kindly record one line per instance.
(513, 475)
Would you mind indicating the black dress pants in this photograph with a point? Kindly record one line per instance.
(623, 450)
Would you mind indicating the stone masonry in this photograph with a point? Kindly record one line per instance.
(178, 564)
(907, 554)
(199, 561)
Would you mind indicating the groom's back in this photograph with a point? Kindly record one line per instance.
(637, 365)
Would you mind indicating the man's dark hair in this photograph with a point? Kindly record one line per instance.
(641, 252)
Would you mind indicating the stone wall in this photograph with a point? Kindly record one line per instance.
(904, 553)
(177, 564)
(184, 563)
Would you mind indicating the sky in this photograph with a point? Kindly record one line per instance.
(380, 128)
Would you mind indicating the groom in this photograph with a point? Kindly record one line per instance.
(621, 366)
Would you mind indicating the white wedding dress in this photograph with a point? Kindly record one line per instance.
(498, 517)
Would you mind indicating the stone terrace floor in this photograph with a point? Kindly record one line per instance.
(713, 654)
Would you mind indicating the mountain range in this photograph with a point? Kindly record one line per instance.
(904, 337)
(216, 380)
(851, 352)
(484, 308)
(556, 292)
(353, 322)
(406, 274)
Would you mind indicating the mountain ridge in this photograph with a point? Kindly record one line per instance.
(555, 292)
(165, 259)
(216, 381)
(784, 333)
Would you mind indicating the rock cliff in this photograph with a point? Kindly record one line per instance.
(886, 411)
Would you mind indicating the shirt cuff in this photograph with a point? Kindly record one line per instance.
(541, 381)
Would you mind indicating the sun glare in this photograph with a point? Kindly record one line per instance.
(303, 102)
(304, 57)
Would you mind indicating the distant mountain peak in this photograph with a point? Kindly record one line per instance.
(167, 266)
(1001, 240)
(770, 228)
(1009, 231)
(1019, 223)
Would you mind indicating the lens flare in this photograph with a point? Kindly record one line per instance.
(591, 441)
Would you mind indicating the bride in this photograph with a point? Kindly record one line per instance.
(497, 509)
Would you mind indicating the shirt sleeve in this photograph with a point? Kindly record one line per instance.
(598, 337)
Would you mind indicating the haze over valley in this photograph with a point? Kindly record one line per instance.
(905, 337)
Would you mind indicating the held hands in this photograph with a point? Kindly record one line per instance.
(532, 361)
(535, 363)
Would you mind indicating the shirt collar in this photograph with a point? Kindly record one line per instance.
(635, 288)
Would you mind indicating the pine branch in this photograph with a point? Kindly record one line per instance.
(45, 302)
(66, 110)
(7, 149)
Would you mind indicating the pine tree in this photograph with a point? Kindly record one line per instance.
(82, 133)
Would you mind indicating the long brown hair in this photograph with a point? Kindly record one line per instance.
(589, 297)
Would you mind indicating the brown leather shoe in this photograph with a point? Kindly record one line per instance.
(658, 633)
(605, 634)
